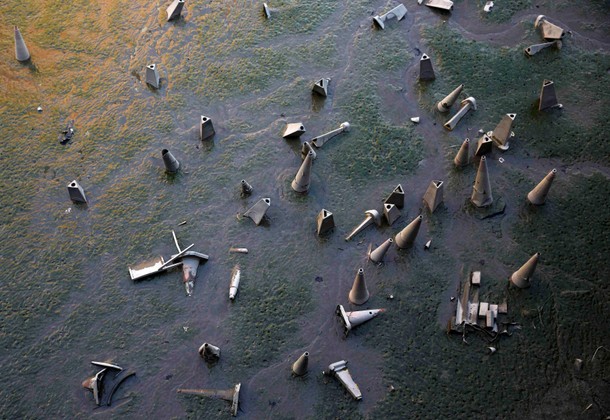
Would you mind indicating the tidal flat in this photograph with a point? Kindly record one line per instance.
(66, 297)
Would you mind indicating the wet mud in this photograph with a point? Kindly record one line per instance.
(66, 294)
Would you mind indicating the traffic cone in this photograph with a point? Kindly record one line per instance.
(481, 190)
(523, 276)
(462, 157)
(406, 237)
(171, 164)
(359, 293)
(447, 102)
(209, 352)
(378, 253)
(355, 318)
(299, 368)
(537, 196)
(301, 180)
(21, 50)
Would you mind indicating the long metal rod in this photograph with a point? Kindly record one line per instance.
(176, 241)
(178, 255)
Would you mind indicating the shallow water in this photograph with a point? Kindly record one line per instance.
(66, 294)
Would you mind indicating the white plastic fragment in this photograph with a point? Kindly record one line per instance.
(415, 120)
(39, 109)
(488, 6)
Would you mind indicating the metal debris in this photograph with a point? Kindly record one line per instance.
(104, 384)
(238, 250)
(492, 350)
(67, 133)
(231, 395)
(398, 12)
(427, 244)
(39, 109)
(234, 285)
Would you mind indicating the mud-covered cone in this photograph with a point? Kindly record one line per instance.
(378, 253)
(299, 368)
(481, 190)
(359, 293)
(406, 237)
(21, 50)
(302, 178)
(462, 157)
(171, 163)
(523, 276)
(537, 196)
(448, 101)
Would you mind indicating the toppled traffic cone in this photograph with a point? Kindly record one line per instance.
(397, 197)
(206, 128)
(355, 318)
(536, 48)
(548, 30)
(76, 192)
(440, 4)
(234, 285)
(320, 140)
(152, 75)
(209, 352)
(548, 97)
(258, 210)
(426, 72)
(325, 221)
(378, 253)
(484, 145)
(465, 106)
(246, 189)
(537, 196)
(171, 163)
(302, 179)
(21, 50)
(391, 213)
(502, 133)
(293, 130)
(434, 195)
(462, 157)
(359, 294)
(321, 86)
(523, 276)
(231, 395)
(406, 237)
(299, 368)
(340, 371)
(398, 12)
(371, 216)
(447, 102)
(174, 9)
(481, 190)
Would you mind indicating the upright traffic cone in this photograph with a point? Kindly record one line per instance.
(301, 180)
(523, 276)
(378, 253)
(481, 190)
(447, 102)
(299, 368)
(462, 157)
(537, 196)
(359, 293)
(406, 237)
(21, 50)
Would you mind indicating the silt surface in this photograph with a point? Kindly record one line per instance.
(65, 292)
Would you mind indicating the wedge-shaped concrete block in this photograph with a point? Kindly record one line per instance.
(174, 9)
(257, 211)
(481, 190)
(325, 222)
(536, 48)
(406, 237)
(209, 352)
(21, 50)
(463, 155)
(234, 285)
(465, 106)
(434, 195)
(537, 196)
(502, 133)
(548, 98)
(246, 189)
(391, 213)
(321, 86)
(370, 217)
(355, 318)
(484, 145)
(77, 194)
(447, 102)
(440, 4)
(378, 253)
(152, 75)
(321, 140)
(523, 276)
(299, 368)
(548, 30)
(206, 128)
(397, 197)
(339, 370)
(231, 395)
(171, 163)
(426, 72)
(398, 12)
(359, 294)
(293, 130)
(303, 177)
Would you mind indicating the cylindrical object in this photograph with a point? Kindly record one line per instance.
(522, 277)
(299, 368)
(171, 163)
(359, 294)
(235, 277)
(406, 237)
(537, 196)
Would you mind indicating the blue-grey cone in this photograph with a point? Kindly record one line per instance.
(21, 50)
